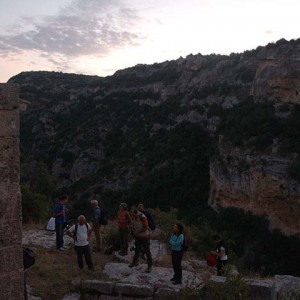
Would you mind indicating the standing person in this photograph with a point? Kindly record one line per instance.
(221, 253)
(96, 224)
(81, 233)
(176, 242)
(59, 214)
(123, 220)
(151, 223)
(142, 239)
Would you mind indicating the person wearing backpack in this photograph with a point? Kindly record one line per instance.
(141, 235)
(59, 214)
(96, 225)
(221, 253)
(176, 242)
(151, 224)
(81, 233)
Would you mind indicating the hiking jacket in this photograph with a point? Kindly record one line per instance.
(176, 242)
(123, 219)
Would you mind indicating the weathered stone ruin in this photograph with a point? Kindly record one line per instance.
(11, 257)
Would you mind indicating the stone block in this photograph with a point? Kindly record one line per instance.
(166, 294)
(285, 284)
(75, 285)
(133, 290)
(9, 160)
(71, 296)
(10, 215)
(261, 289)
(97, 286)
(9, 96)
(11, 258)
(111, 297)
(9, 123)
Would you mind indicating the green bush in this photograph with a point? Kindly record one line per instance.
(35, 207)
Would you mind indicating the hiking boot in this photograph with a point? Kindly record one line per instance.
(61, 249)
(149, 270)
(132, 265)
(177, 282)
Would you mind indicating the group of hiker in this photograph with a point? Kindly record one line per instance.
(139, 223)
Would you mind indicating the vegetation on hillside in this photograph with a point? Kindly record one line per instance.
(145, 154)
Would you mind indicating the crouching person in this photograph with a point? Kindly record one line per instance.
(81, 233)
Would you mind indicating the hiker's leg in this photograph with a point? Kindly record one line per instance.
(173, 262)
(219, 267)
(126, 239)
(176, 262)
(137, 251)
(180, 255)
(79, 252)
(223, 263)
(59, 230)
(121, 235)
(96, 228)
(146, 248)
(88, 256)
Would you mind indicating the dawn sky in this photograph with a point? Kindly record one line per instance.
(99, 37)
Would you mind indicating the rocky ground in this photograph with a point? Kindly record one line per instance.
(119, 270)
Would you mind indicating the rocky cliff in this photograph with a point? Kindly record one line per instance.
(151, 130)
(257, 183)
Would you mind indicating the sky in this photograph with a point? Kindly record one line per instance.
(99, 37)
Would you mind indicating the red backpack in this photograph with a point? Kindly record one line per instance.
(211, 259)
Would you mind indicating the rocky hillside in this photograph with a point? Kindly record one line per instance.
(174, 134)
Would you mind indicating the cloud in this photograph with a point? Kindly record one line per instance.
(90, 27)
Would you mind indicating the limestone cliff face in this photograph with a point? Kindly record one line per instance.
(277, 76)
(256, 183)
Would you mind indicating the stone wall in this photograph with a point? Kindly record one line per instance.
(111, 290)
(11, 257)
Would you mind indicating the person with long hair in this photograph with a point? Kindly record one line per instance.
(176, 242)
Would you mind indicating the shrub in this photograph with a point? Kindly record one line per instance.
(35, 206)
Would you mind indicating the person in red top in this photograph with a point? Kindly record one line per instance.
(142, 239)
(123, 220)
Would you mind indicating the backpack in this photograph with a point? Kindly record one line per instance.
(28, 258)
(185, 244)
(211, 259)
(102, 220)
(151, 222)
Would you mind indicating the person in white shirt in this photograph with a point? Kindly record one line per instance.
(81, 233)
